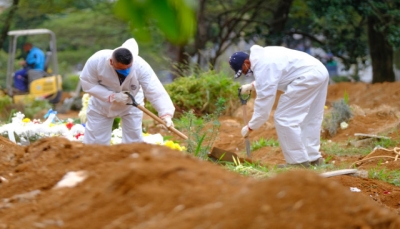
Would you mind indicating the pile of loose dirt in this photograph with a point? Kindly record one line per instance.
(145, 186)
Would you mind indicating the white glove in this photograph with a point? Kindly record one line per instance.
(118, 97)
(246, 88)
(168, 120)
(246, 131)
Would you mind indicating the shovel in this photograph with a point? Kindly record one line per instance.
(155, 117)
(224, 155)
(243, 100)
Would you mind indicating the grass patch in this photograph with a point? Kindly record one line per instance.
(249, 169)
(264, 143)
(386, 143)
(383, 174)
(336, 149)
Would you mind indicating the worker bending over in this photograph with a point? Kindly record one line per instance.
(299, 114)
(106, 76)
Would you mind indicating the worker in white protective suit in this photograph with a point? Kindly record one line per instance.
(106, 76)
(299, 114)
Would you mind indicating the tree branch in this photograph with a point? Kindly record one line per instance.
(7, 22)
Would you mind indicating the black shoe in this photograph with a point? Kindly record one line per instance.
(299, 165)
(320, 161)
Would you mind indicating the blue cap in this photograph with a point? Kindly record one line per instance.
(236, 61)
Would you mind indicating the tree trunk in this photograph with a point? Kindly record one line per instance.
(279, 21)
(179, 52)
(179, 60)
(7, 22)
(201, 34)
(381, 53)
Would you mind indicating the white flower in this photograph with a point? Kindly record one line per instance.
(77, 129)
(343, 125)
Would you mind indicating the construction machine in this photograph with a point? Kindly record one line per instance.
(45, 84)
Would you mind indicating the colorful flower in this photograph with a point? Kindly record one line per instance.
(69, 125)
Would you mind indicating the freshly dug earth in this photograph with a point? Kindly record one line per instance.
(146, 186)
(143, 186)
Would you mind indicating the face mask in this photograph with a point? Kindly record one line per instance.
(124, 72)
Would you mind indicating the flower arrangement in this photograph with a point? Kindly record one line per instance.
(23, 131)
(85, 103)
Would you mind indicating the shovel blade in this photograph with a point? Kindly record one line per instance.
(224, 155)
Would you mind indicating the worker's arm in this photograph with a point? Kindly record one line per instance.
(90, 80)
(153, 90)
(266, 85)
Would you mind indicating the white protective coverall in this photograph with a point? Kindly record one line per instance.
(100, 80)
(299, 114)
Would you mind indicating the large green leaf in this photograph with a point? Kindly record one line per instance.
(175, 18)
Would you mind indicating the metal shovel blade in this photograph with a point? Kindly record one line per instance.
(224, 155)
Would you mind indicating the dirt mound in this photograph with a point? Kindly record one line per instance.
(366, 95)
(145, 186)
(9, 153)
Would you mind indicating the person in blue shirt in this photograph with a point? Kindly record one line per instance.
(35, 59)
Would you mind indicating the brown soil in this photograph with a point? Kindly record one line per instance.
(145, 186)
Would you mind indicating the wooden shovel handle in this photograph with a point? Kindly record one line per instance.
(155, 117)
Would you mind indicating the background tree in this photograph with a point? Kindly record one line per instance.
(344, 25)
(222, 24)
(7, 18)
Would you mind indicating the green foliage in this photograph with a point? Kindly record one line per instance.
(340, 112)
(31, 109)
(338, 79)
(175, 18)
(250, 169)
(83, 32)
(202, 94)
(335, 149)
(201, 131)
(70, 82)
(344, 24)
(383, 174)
(346, 97)
(5, 103)
(23, 138)
(263, 143)
(3, 68)
(344, 27)
(386, 142)
(116, 123)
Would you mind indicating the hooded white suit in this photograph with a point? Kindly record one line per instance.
(100, 80)
(298, 117)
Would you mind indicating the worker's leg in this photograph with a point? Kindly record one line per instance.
(311, 126)
(292, 109)
(98, 128)
(132, 122)
(20, 80)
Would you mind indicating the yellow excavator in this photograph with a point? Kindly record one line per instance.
(45, 84)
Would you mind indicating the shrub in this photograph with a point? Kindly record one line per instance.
(201, 94)
(340, 112)
(35, 108)
(70, 82)
(201, 131)
(5, 103)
